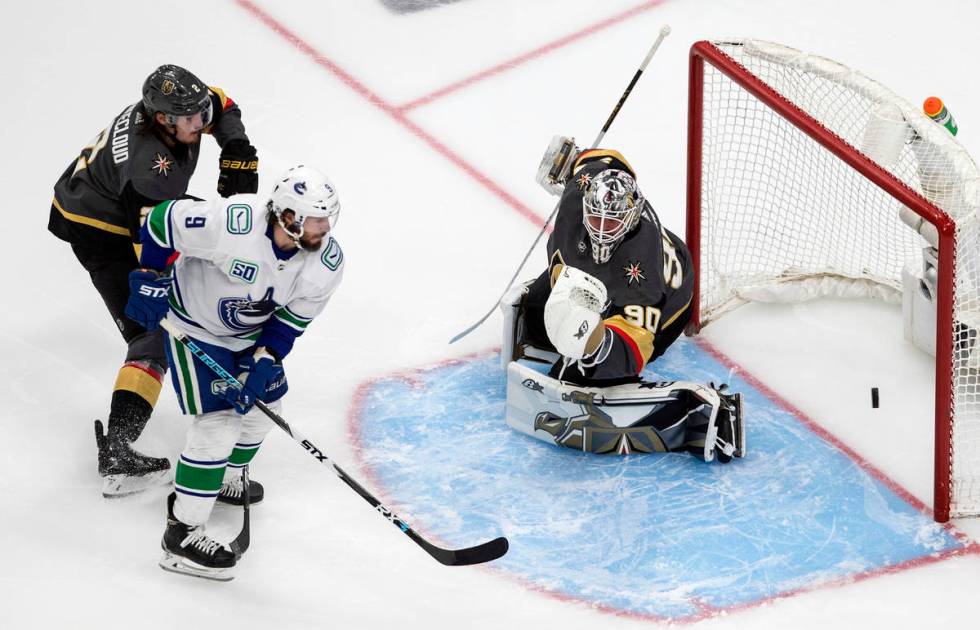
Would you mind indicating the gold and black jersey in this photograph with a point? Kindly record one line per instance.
(649, 277)
(128, 166)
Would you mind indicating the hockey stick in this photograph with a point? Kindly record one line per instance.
(612, 116)
(485, 552)
(240, 545)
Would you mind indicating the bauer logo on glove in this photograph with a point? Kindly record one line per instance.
(573, 309)
(238, 168)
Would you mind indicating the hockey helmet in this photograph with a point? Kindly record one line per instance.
(611, 208)
(175, 92)
(306, 192)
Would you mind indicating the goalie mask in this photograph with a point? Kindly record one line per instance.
(307, 194)
(610, 210)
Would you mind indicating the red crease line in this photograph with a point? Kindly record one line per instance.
(400, 117)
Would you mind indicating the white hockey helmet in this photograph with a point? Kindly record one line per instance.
(307, 193)
(611, 209)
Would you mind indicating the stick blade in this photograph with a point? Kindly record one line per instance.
(479, 554)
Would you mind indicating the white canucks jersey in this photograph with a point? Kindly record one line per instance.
(229, 280)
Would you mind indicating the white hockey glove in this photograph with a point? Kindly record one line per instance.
(573, 311)
(556, 164)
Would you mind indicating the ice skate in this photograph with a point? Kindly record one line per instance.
(730, 440)
(189, 550)
(125, 471)
(232, 492)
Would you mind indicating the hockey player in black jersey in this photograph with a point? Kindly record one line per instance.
(606, 229)
(146, 155)
(615, 295)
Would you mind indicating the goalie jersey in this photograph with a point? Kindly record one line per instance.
(649, 277)
(246, 291)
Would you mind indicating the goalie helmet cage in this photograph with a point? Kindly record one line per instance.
(783, 206)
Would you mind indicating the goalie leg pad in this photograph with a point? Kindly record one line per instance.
(511, 307)
(630, 418)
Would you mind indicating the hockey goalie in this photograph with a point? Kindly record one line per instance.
(615, 295)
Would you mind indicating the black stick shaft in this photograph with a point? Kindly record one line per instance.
(612, 116)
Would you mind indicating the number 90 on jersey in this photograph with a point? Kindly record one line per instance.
(642, 316)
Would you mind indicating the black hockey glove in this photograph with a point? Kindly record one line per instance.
(239, 169)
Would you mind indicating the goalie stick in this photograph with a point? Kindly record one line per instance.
(485, 552)
(664, 31)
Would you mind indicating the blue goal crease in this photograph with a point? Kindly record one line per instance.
(662, 535)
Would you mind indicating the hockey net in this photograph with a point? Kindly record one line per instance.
(799, 168)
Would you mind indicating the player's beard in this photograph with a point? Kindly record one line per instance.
(310, 245)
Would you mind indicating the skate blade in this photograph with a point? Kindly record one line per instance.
(121, 486)
(740, 428)
(177, 564)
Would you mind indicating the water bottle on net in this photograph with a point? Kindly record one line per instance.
(935, 108)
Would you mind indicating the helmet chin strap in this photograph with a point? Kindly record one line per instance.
(293, 235)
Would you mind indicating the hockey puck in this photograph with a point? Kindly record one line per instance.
(874, 397)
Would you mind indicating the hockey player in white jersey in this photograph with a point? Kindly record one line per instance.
(243, 277)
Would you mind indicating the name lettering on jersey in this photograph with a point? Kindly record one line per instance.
(120, 136)
(244, 270)
(239, 218)
(332, 255)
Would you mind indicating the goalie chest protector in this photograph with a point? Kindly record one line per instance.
(634, 274)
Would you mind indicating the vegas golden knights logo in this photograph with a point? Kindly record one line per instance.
(594, 431)
(167, 87)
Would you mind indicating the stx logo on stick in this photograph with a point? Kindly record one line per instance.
(314, 451)
(388, 514)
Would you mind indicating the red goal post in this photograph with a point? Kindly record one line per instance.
(782, 205)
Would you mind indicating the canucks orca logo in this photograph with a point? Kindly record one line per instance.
(245, 314)
(300, 188)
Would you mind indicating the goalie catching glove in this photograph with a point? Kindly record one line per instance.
(573, 313)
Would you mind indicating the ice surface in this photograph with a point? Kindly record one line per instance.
(430, 232)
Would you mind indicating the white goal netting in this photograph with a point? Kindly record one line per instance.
(783, 217)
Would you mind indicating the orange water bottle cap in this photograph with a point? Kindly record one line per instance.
(932, 106)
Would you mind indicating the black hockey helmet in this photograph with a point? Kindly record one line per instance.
(174, 92)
